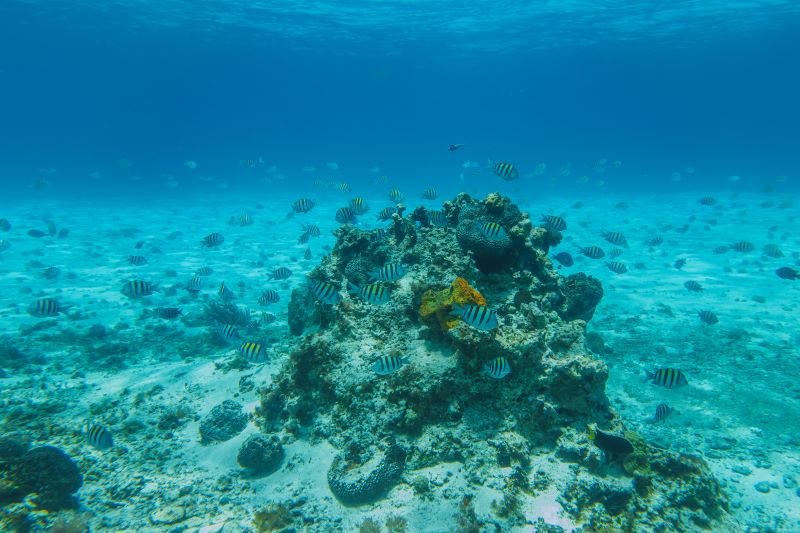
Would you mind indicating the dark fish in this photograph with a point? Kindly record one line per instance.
(373, 293)
(269, 296)
(477, 316)
(50, 273)
(345, 215)
(615, 237)
(47, 307)
(303, 205)
(564, 258)
(667, 377)
(497, 368)
(454, 147)
(138, 288)
(212, 240)
(708, 317)
(36, 233)
(386, 213)
(99, 437)
(707, 200)
(139, 245)
(307, 254)
(662, 412)
(253, 352)
(616, 267)
(743, 246)
(388, 364)
(693, 286)
(655, 241)
(303, 238)
(554, 222)
(611, 444)
(280, 273)
(430, 194)
(682, 229)
(505, 171)
(5, 225)
(168, 313)
(593, 252)
(325, 292)
(680, 263)
(137, 260)
(63, 233)
(787, 273)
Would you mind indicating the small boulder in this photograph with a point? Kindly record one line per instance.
(223, 422)
(50, 473)
(261, 454)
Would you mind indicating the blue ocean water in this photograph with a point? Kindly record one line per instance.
(130, 130)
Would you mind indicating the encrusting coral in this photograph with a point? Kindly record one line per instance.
(437, 304)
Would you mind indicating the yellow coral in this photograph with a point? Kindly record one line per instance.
(439, 303)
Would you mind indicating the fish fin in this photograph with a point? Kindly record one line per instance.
(154, 286)
(352, 288)
(489, 163)
(457, 310)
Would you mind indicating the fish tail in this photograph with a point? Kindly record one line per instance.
(155, 287)
(352, 288)
(457, 310)
(489, 163)
(649, 376)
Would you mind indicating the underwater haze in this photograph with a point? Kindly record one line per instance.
(399, 266)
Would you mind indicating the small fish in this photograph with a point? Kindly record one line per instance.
(615, 252)
(280, 273)
(497, 368)
(610, 444)
(227, 332)
(389, 272)
(373, 293)
(662, 412)
(195, 285)
(786, 204)
(743, 246)
(787, 273)
(621, 206)
(50, 273)
(359, 205)
(269, 296)
(99, 437)
(139, 245)
(311, 230)
(655, 241)
(616, 267)
(204, 271)
(303, 238)
(51, 229)
(396, 196)
(378, 235)
(345, 215)
(138, 288)
(492, 231)
(554, 222)
(593, 252)
(267, 318)
(388, 364)
(36, 234)
(250, 163)
(505, 171)
(303, 205)
(212, 240)
(386, 213)
(437, 218)
(245, 220)
(615, 237)
(708, 317)
(693, 286)
(307, 254)
(168, 313)
(454, 147)
(772, 250)
(253, 352)
(47, 307)
(5, 225)
(680, 263)
(224, 293)
(667, 377)
(707, 200)
(325, 292)
(721, 249)
(477, 316)
(137, 260)
(564, 258)
(430, 194)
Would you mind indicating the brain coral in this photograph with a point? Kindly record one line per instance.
(369, 481)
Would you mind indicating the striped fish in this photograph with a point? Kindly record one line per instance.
(437, 218)
(137, 260)
(396, 196)
(708, 317)
(267, 318)
(46, 307)
(772, 250)
(492, 231)
(280, 273)
(325, 292)
(667, 377)
(497, 368)
(388, 364)
(707, 200)
(743, 246)
(168, 313)
(212, 240)
(721, 249)
(99, 437)
(373, 293)
(662, 412)
(345, 215)
(389, 272)
(593, 252)
(378, 235)
(477, 316)
(554, 222)
(343, 187)
(615, 252)
(303, 205)
(617, 267)
(253, 352)
(303, 238)
(430, 194)
(137, 288)
(505, 171)
(5, 225)
(693, 286)
(245, 220)
(615, 237)
(386, 213)
(312, 230)
(195, 285)
(655, 241)
(359, 205)
(227, 332)
(204, 271)
(224, 293)
(269, 296)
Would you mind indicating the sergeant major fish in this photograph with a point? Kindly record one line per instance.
(212, 240)
(667, 377)
(388, 364)
(505, 171)
(138, 288)
(47, 307)
(478, 316)
(389, 272)
(99, 437)
(492, 231)
(325, 292)
(497, 368)
(373, 293)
